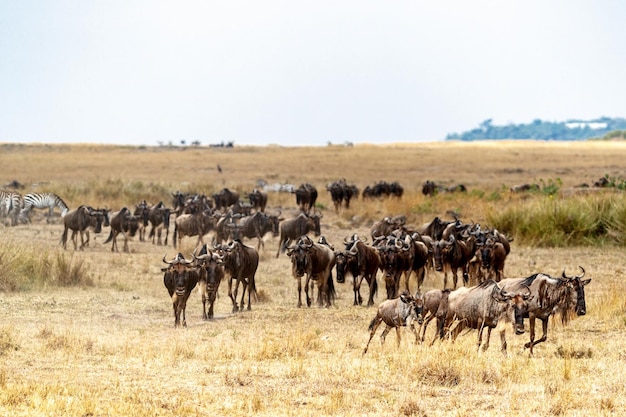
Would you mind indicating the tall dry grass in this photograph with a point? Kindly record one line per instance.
(100, 341)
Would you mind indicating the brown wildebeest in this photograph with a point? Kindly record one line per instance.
(78, 220)
(159, 217)
(396, 313)
(316, 261)
(197, 224)
(123, 222)
(179, 279)
(361, 261)
(240, 263)
(564, 295)
(450, 256)
(210, 274)
(292, 229)
(484, 306)
(257, 225)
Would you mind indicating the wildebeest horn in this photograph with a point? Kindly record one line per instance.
(576, 276)
(527, 296)
(307, 242)
(345, 240)
(167, 262)
(353, 251)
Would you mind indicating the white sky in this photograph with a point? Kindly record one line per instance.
(302, 72)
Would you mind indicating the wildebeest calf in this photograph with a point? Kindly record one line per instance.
(397, 312)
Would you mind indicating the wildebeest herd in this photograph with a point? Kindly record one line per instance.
(397, 251)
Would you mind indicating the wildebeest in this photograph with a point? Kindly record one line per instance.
(292, 229)
(142, 212)
(225, 198)
(383, 189)
(434, 228)
(78, 220)
(258, 199)
(210, 274)
(492, 258)
(435, 306)
(361, 261)
(429, 188)
(396, 259)
(396, 313)
(450, 256)
(564, 295)
(159, 217)
(257, 225)
(179, 279)
(342, 193)
(197, 224)
(387, 225)
(483, 306)
(306, 196)
(240, 263)
(316, 261)
(123, 222)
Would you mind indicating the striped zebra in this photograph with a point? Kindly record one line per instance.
(42, 201)
(10, 205)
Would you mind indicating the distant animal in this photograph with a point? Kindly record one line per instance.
(142, 212)
(42, 201)
(292, 229)
(520, 188)
(180, 279)
(563, 295)
(10, 205)
(342, 193)
(395, 313)
(316, 261)
(197, 224)
(225, 198)
(78, 220)
(258, 199)
(306, 196)
(124, 222)
(257, 225)
(159, 217)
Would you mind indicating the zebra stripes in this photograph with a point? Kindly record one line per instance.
(10, 205)
(42, 201)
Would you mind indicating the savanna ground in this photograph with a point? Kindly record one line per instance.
(90, 333)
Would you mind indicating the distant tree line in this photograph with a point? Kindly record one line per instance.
(542, 130)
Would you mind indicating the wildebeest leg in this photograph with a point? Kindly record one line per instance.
(176, 312)
(420, 275)
(356, 281)
(503, 341)
(445, 279)
(203, 293)
(465, 275)
(244, 286)
(373, 285)
(455, 277)
(230, 293)
(183, 308)
(544, 337)
(299, 291)
(310, 282)
(373, 327)
(386, 332)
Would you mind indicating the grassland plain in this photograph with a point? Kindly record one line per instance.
(108, 347)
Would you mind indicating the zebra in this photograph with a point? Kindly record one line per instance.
(42, 201)
(10, 205)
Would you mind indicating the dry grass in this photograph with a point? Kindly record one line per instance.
(109, 348)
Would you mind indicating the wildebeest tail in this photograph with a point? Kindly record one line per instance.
(373, 323)
(110, 238)
(374, 287)
(332, 294)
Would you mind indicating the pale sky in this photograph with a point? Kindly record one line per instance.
(302, 72)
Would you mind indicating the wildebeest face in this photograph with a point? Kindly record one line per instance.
(438, 255)
(485, 256)
(340, 261)
(300, 261)
(579, 293)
